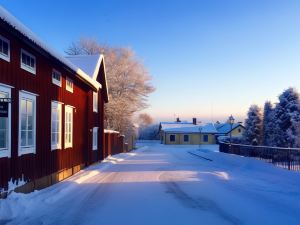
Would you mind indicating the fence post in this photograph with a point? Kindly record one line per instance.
(289, 158)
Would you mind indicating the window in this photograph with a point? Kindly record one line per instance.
(95, 138)
(56, 77)
(68, 126)
(4, 49)
(56, 125)
(172, 137)
(28, 62)
(186, 138)
(27, 123)
(205, 138)
(239, 130)
(69, 85)
(5, 126)
(95, 102)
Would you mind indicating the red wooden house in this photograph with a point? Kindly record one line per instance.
(53, 125)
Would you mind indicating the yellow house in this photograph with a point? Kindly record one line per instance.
(183, 133)
(191, 135)
(224, 129)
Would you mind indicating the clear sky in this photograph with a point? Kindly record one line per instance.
(208, 59)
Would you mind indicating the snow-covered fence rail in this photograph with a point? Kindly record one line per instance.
(288, 158)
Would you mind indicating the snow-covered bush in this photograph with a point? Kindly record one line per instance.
(286, 119)
(253, 126)
(268, 124)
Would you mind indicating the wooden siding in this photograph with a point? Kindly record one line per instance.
(45, 162)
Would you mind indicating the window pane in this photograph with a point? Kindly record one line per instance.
(53, 138)
(3, 138)
(23, 106)
(3, 123)
(5, 48)
(23, 138)
(23, 122)
(23, 58)
(29, 107)
(30, 138)
(29, 123)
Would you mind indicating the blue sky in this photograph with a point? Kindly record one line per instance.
(208, 59)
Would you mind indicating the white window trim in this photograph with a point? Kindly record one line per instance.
(2, 56)
(7, 153)
(95, 132)
(25, 67)
(95, 102)
(57, 145)
(69, 88)
(24, 151)
(54, 81)
(69, 108)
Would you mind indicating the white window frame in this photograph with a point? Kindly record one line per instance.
(26, 67)
(58, 106)
(2, 55)
(68, 88)
(7, 152)
(95, 101)
(69, 109)
(22, 150)
(54, 80)
(95, 138)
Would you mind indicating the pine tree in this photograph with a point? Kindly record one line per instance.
(286, 119)
(268, 124)
(253, 126)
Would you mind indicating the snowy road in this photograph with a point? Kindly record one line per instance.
(165, 185)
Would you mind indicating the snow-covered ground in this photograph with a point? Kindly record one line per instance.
(169, 185)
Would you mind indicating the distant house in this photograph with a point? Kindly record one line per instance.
(224, 129)
(191, 133)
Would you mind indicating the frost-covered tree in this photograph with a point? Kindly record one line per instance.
(268, 124)
(253, 126)
(128, 83)
(286, 119)
(149, 132)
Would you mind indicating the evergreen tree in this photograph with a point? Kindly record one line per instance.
(268, 124)
(286, 119)
(253, 126)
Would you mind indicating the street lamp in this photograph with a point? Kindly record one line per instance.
(231, 122)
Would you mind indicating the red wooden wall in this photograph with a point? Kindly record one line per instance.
(45, 161)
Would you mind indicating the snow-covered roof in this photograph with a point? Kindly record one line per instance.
(167, 125)
(225, 128)
(90, 64)
(208, 129)
(110, 131)
(17, 25)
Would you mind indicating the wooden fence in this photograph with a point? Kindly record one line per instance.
(114, 143)
(288, 158)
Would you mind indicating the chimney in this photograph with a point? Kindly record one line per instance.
(178, 120)
(195, 121)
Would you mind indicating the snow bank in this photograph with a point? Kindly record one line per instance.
(17, 204)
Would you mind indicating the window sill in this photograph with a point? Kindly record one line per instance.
(54, 148)
(56, 83)
(25, 151)
(4, 154)
(30, 70)
(4, 57)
